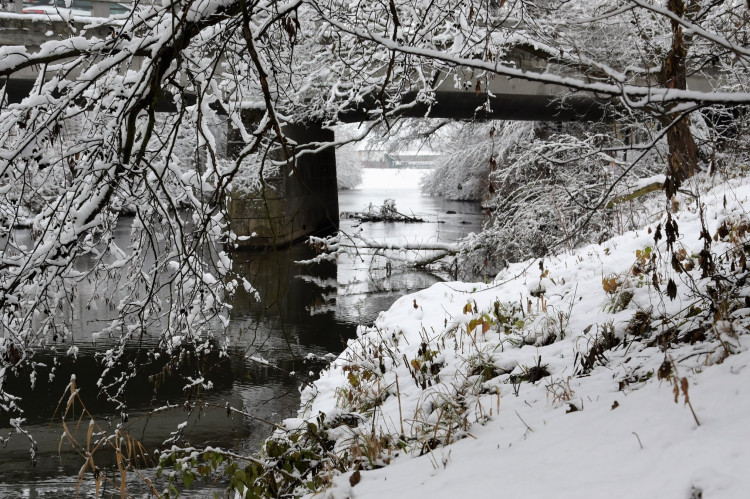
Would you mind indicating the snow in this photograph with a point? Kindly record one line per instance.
(420, 370)
(614, 430)
(590, 453)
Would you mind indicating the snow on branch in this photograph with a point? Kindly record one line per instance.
(121, 134)
(414, 254)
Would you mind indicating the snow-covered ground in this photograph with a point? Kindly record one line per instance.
(572, 376)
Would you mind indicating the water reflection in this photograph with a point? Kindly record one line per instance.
(366, 285)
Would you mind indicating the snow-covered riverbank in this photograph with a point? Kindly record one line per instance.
(576, 375)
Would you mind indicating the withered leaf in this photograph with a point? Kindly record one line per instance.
(671, 289)
(355, 478)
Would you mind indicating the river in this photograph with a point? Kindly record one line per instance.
(304, 318)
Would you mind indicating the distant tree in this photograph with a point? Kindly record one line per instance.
(547, 186)
(348, 162)
(348, 167)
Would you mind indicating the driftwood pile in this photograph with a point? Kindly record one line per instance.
(384, 213)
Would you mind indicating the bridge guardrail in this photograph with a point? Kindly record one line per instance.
(99, 8)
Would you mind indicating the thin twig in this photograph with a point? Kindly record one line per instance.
(524, 422)
(400, 415)
(639, 440)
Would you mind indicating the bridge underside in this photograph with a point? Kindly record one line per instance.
(304, 201)
(448, 105)
(472, 106)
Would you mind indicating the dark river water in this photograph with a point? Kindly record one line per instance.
(305, 316)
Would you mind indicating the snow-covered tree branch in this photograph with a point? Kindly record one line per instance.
(89, 143)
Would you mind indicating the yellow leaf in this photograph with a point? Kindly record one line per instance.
(609, 284)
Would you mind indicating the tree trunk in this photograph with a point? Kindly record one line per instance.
(683, 152)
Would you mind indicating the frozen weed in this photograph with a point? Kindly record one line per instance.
(559, 391)
(97, 443)
(531, 374)
(370, 450)
(604, 340)
(640, 323)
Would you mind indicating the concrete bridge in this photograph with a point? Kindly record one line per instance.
(305, 201)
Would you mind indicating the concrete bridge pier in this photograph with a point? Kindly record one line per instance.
(296, 202)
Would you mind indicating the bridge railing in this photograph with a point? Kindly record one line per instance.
(99, 8)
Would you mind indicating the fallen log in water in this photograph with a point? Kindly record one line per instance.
(385, 213)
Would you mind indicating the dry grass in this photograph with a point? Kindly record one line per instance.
(129, 454)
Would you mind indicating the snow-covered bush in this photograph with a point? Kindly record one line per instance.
(463, 174)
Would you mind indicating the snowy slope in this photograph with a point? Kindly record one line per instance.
(557, 379)
(595, 452)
